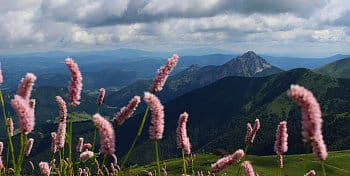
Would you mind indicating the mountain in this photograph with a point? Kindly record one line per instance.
(220, 111)
(247, 65)
(339, 69)
(287, 63)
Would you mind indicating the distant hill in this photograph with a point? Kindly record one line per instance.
(339, 69)
(247, 65)
(287, 63)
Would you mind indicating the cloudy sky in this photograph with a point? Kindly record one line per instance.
(279, 27)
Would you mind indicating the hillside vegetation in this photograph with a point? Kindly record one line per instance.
(339, 69)
(295, 165)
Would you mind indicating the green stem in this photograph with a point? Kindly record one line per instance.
(7, 157)
(61, 162)
(10, 143)
(157, 156)
(104, 160)
(192, 164)
(94, 140)
(21, 155)
(323, 168)
(308, 149)
(135, 139)
(184, 162)
(70, 126)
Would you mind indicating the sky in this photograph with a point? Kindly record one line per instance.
(277, 27)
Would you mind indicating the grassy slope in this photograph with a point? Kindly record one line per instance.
(241, 100)
(339, 69)
(337, 164)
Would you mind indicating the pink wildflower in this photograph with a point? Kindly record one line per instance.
(62, 108)
(1, 163)
(61, 131)
(44, 168)
(25, 114)
(227, 161)
(157, 128)
(80, 145)
(249, 132)
(86, 147)
(247, 169)
(86, 155)
(53, 142)
(26, 86)
(319, 148)
(1, 147)
(281, 143)
(10, 126)
(106, 131)
(115, 159)
(183, 140)
(310, 173)
(101, 96)
(28, 147)
(252, 131)
(80, 172)
(32, 103)
(127, 111)
(76, 83)
(311, 111)
(311, 119)
(163, 73)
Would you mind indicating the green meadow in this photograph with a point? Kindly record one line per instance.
(337, 164)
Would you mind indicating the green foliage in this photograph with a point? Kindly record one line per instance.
(219, 113)
(339, 69)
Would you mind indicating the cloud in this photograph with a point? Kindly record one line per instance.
(262, 25)
(344, 19)
(110, 12)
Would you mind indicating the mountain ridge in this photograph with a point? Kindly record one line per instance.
(249, 64)
(338, 69)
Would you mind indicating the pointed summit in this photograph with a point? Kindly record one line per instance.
(249, 65)
(250, 54)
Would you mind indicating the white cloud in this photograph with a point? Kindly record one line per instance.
(263, 25)
(329, 35)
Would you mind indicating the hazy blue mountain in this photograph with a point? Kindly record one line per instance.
(287, 63)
